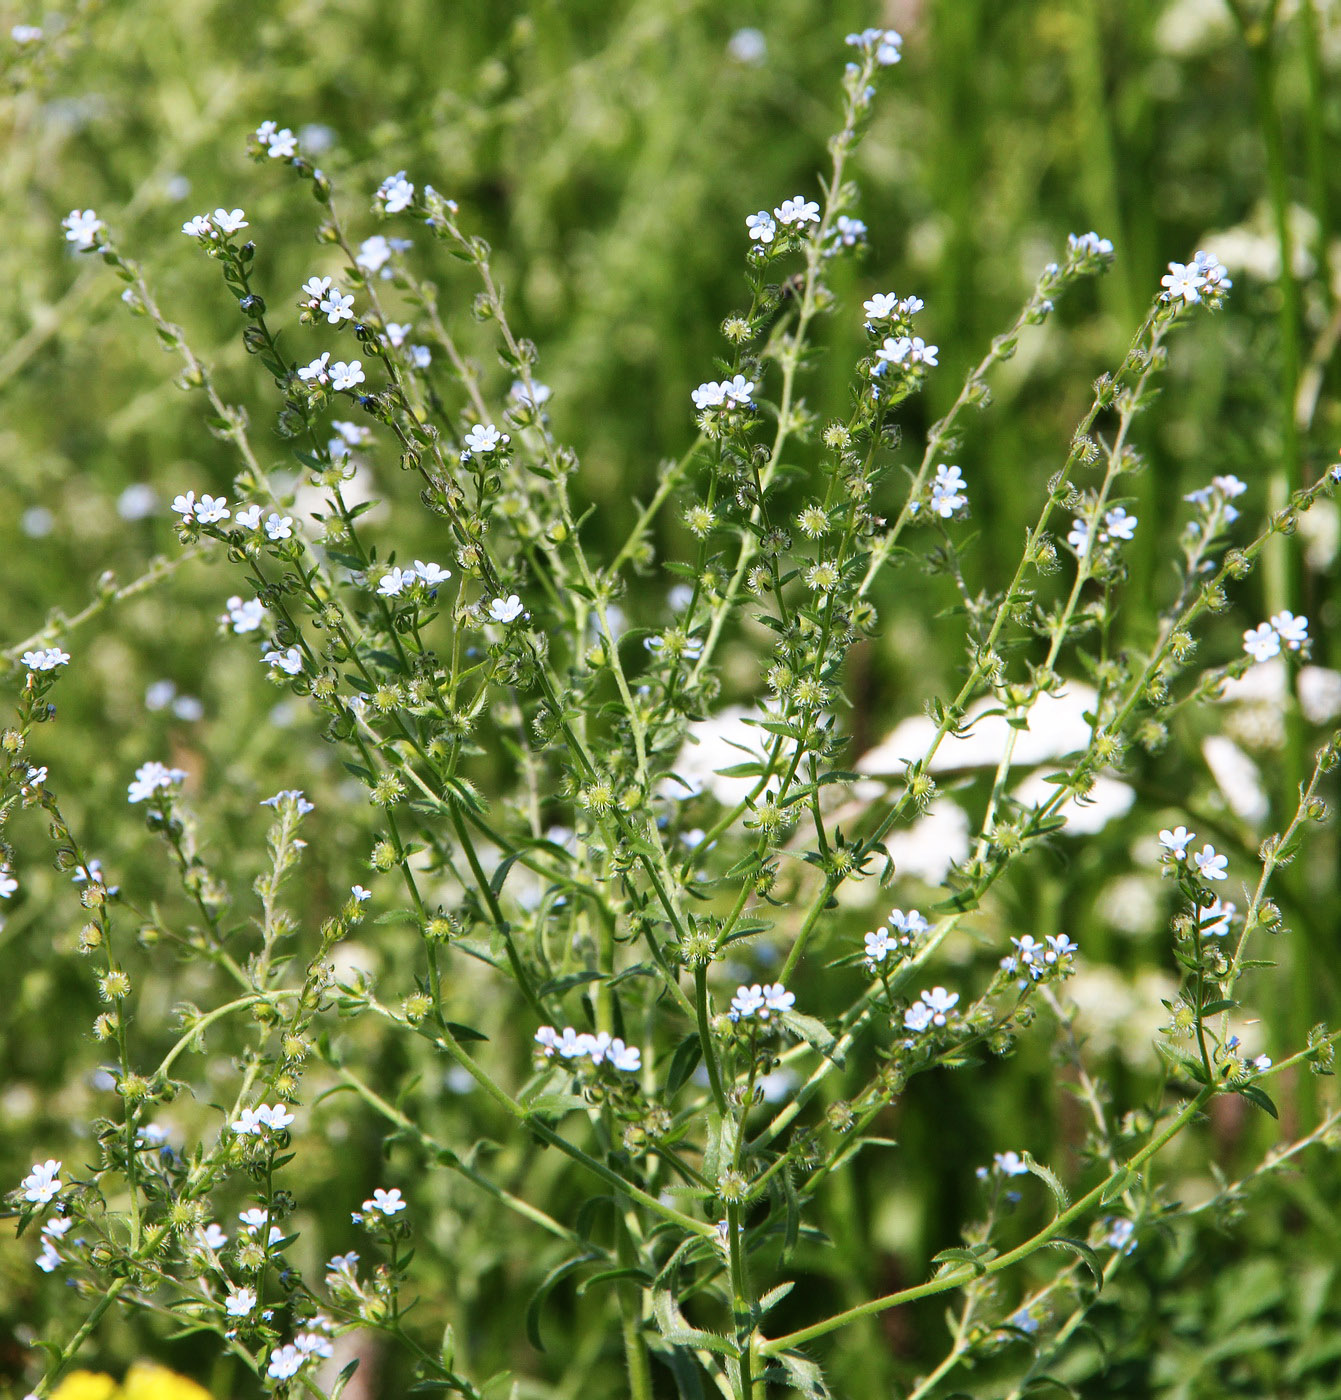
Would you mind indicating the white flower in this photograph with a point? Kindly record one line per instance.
(317, 369)
(1215, 918)
(883, 306)
(374, 253)
(395, 193)
(1292, 630)
(1262, 642)
(948, 491)
(1059, 947)
(289, 661)
(388, 1202)
(911, 350)
(212, 509)
(1183, 282)
(49, 1260)
(212, 1236)
(1010, 1164)
(241, 1302)
(708, 395)
(265, 133)
(1121, 1235)
(185, 505)
(886, 44)
(932, 1008)
(354, 434)
(300, 803)
(878, 945)
(1089, 245)
(1262, 1063)
(776, 998)
(151, 778)
(917, 1017)
(42, 1183)
(1210, 865)
(45, 659)
(315, 289)
(229, 220)
(285, 1362)
(533, 397)
(1119, 525)
(8, 884)
(395, 581)
(1213, 271)
(737, 391)
(246, 616)
(279, 527)
(360, 895)
(483, 438)
(910, 924)
(431, 575)
(396, 331)
(421, 356)
(82, 227)
(506, 610)
(746, 1002)
(761, 226)
(313, 1344)
(198, 227)
(1177, 841)
(346, 376)
(337, 307)
(283, 145)
(798, 210)
(847, 232)
(627, 1058)
(248, 519)
(25, 34)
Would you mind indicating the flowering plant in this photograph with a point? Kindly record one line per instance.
(651, 939)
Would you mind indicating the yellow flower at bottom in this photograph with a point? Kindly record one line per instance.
(145, 1381)
(85, 1385)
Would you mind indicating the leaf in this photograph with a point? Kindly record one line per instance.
(977, 1258)
(545, 1287)
(683, 1063)
(774, 1296)
(804, 1375)
(1049, 1179)
(1260, 1097)
(1118, 1185)
(1087, 1256)
(812, 1030)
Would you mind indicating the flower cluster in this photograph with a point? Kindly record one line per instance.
(760, 1003)
(1037, 959)
(885, 44)
(280, 142)
(1209, 865)
(395, 194)
(932, 1008)
(210, 228)
(573, 1045)
(1264, 641)
(82, 227)
(791, 213)
(263, 1119)
(153, 777)
(895, 937)
(340, 376)
(46, 659)
(396, 580)
(888, 306)
(1223, 488)
(728, 393)
(1117, 525)
(1205, 278)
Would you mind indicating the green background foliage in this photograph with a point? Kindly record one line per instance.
(610, 153)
